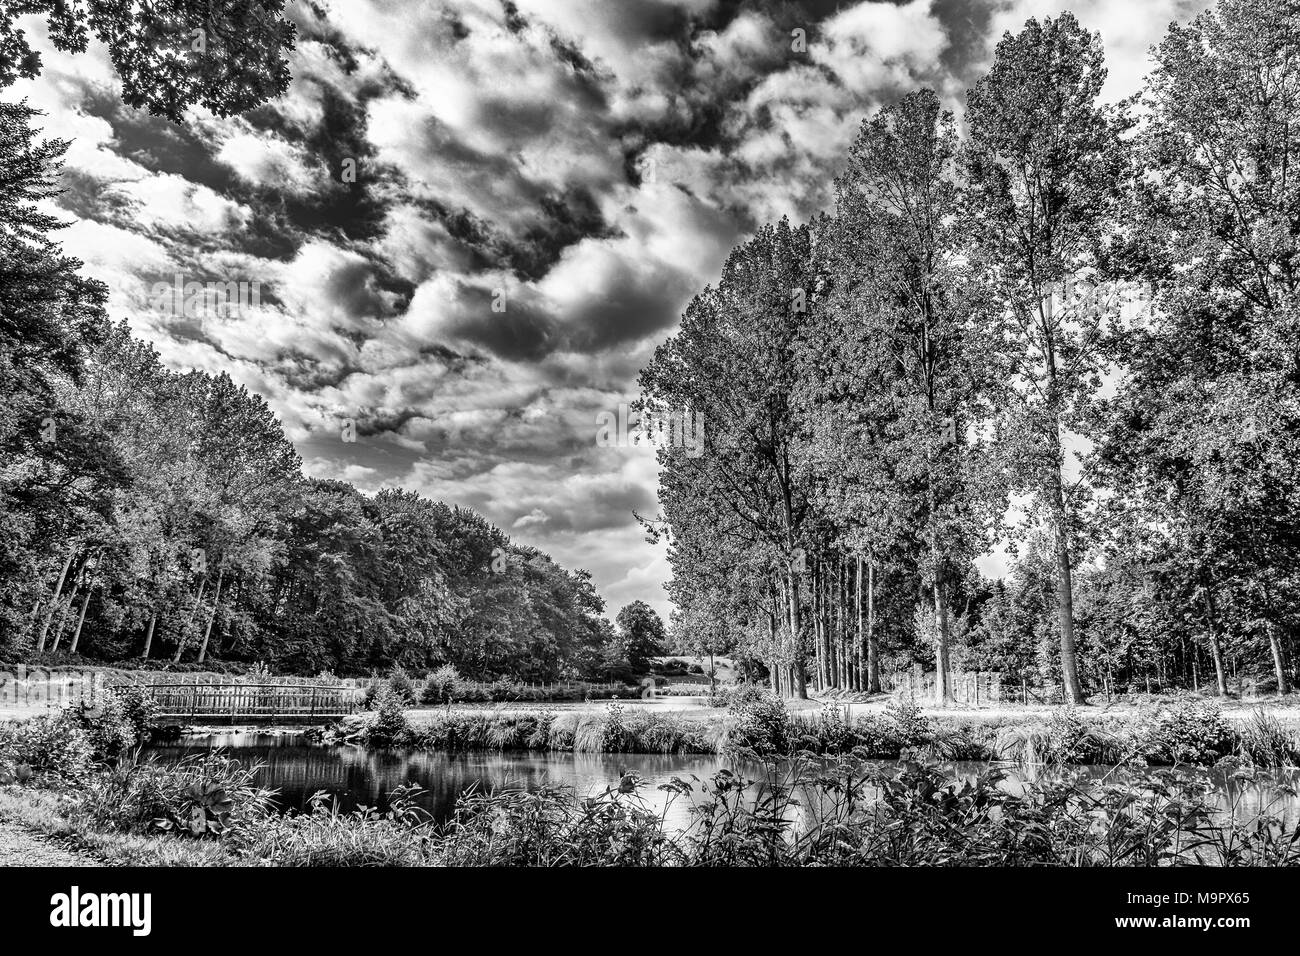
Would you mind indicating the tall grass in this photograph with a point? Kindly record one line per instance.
(1189, 732)
(808, 813)
(615, 730)
(1264, 742)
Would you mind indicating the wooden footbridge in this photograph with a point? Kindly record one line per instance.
(252, 703)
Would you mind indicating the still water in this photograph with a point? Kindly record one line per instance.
(360, 777)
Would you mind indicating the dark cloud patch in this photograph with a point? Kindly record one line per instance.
(381, 422)
(570, 54)
(457, 363)
(313, 25)
(84, 196)
(523, 332)
(160, 146)
(602, 509)
(515, 22)
(370, 450)
(561, 218)
(630, 306)
(570, 218)
(310, 375)
(969, 27)
(653, 21)
(353, 210)
(187, 151)
(786, 14)
(351, 287)
(312, 20)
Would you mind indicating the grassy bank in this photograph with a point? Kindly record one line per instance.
(1187, 731)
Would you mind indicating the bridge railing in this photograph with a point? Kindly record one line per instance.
(253, 700)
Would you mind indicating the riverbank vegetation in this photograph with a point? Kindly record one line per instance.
(800, 813)
(1186, 731)
(818, 799)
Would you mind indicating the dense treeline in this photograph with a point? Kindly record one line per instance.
(165, 514)
(154, 514)
(1067, 324)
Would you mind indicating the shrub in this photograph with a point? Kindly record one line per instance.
(1065, 738)
(390, 727)
(260, 672)
(615, 736)
(900, 728)
(53, 748)
(963, 743)
(760, 725)
(831, 733)
(199, 795)
(400, 683)
(726, 695)
(901, 816)
(138, 708)
(552, 826)
(441, 685)
(911, 727)
(120, 721)
(1191, 732)
(109, 732)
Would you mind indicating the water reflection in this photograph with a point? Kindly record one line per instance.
(360, 777)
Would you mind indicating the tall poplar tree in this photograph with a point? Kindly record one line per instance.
(1044, 169)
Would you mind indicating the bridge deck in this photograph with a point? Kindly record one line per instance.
(180, 703)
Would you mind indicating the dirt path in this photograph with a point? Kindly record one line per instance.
(22, 847)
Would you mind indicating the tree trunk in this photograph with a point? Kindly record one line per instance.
(54, 601)
(797, 661)
(1275, 644)
(185, 629)
(216, 601)
(1065, 599)
(840, 650)
(1216, 646)
(827, 591)
(873, 647)
(942, 692)
(81, 619)
(63, 615)
(822, 666)
(858, 684)
(1279, 661)
(148, 637)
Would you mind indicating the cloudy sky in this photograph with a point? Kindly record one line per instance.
(588, 163)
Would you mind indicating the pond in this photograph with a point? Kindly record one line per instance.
(359, 777)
